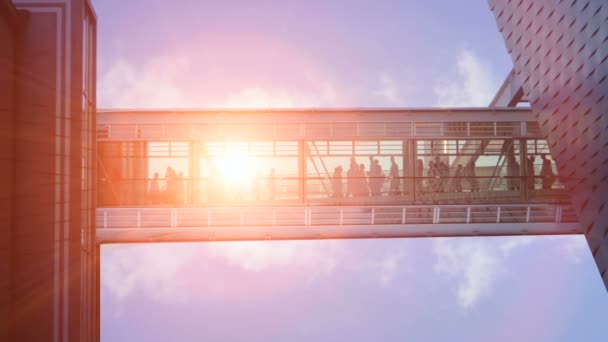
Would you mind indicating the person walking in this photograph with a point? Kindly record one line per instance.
(546, 173)
(393, 174)
(458, 178)
(337, 182)
(376, 178)
(362, 185)
(419, 175)
(351, 180)
(432, 177)
(512, 173)
(154, 191)
(444, 173)
(530, 170)
(471, 176)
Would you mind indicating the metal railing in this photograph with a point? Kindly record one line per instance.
(286, 216)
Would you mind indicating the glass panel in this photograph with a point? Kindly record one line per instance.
(391, 147)
(286, 148)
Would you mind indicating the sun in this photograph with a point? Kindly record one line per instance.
(236, 167)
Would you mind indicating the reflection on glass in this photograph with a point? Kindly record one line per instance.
(327, 172)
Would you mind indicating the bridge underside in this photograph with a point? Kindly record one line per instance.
(130, 225)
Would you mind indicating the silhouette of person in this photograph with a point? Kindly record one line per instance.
(170, 187)
(471, 175)
(337, 182)
(362, 182)
(351, 180)
(433, 175)
(458, 178)
(393, 174)
(376, 178)
(443, 171)
(513, 173)
(154, 190)
(373, 176)
(546, 173)
(530, 170)
(419, 175)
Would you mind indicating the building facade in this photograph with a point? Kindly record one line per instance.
(559, 50)
(48, 260)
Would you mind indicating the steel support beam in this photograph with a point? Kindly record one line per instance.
(510, 93)
(235, 233)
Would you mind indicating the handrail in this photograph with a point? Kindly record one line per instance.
(188, 217)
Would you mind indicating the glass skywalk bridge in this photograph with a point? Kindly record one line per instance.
(338, 173)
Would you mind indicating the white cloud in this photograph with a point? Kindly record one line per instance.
(163, 83)
(157, 270)
(389, 267)
(147, 268)
(474, 84)
(573, 248)
(318, 258)
(476, 265)
(152, 85)
(389, 91)
(256, 97)
(194, 78)
(511, 243)
(180, 272)
(471, 261)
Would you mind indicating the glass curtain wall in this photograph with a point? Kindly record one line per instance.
(345, 172)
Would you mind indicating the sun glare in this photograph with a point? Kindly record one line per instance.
(236, 167)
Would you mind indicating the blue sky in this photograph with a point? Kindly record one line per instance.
(328, 54)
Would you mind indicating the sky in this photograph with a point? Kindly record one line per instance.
(202, 54)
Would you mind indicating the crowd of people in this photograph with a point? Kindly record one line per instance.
(546, 173)
(362, 182)
(174, 190)
(438, 178)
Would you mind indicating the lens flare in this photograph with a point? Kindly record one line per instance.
(236, 167)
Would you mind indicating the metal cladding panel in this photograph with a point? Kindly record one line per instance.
(52, 248)
(560, 51)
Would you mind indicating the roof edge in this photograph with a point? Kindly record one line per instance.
(309, 109)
